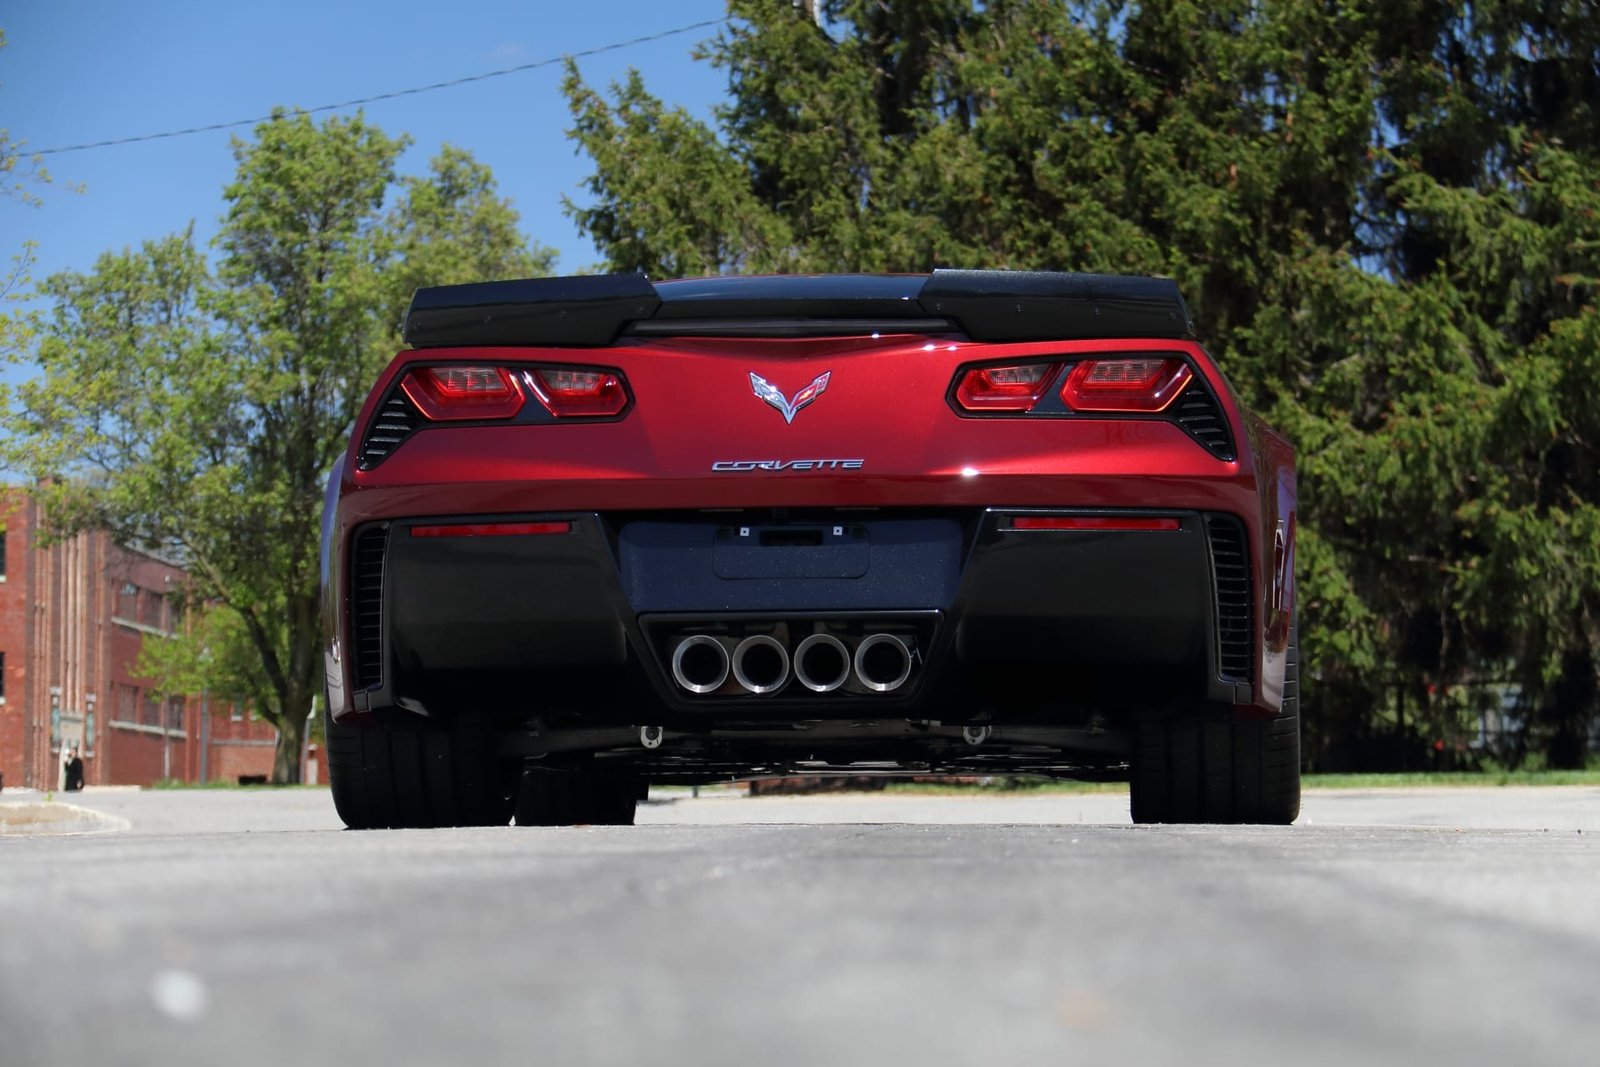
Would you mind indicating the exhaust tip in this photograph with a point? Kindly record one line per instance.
(883, 662)
(700, 664)
(761, 664)
(822, 663)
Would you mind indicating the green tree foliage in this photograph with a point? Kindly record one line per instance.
(195, 411)
(1386, 218)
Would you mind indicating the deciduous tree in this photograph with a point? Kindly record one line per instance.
(196, 412)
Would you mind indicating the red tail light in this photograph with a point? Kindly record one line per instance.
(493, 529)
(1125, 384)
(1015, 388)
(464, 392)
(1121, 523)
(583, 393)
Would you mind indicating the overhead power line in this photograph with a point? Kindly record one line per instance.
(413, 91)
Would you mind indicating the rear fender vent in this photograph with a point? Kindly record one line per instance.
(1230, 577)
(396, 420)
(1198, 412)
(366, 605)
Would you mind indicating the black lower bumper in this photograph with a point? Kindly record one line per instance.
(582, 619)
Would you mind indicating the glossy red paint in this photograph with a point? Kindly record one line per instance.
(1272, 460)
(886, 404)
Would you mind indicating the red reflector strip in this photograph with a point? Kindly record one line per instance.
(493, 529)
(1092, 522)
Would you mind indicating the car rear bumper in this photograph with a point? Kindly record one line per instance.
(583, 618)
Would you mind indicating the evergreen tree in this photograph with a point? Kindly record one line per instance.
(1384, 216)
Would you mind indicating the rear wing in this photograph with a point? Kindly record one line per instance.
(983, 305)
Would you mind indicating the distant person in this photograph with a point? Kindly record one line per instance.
(72, 763)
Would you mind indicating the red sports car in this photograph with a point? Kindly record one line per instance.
(596, 532)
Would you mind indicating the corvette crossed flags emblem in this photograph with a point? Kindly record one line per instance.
(789, 408)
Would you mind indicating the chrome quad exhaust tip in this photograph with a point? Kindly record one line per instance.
(761, 664)
(700, 664)
(883, 662)
(822, 663)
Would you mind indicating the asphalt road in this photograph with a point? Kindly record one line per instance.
(244, 928)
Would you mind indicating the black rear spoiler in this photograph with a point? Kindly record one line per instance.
(984, 305)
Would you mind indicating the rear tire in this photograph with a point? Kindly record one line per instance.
(1197, 769)
(412, 772)
(558, 797)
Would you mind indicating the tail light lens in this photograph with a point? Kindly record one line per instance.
(1115, 523)
(443, 393)
(1015, 388)
(568, 393)
(479, 393)
(493, 529)
(1124, 384)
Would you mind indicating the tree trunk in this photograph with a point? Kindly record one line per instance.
(1570, 711)
(291, 742)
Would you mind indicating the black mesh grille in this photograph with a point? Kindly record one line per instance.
(394, 422)
(1230, 569)
(1197, 412)
(366, 605)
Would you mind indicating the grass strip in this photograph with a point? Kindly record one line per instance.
(1393, 780)
(1450, 779)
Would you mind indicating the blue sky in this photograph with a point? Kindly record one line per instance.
(76, 71)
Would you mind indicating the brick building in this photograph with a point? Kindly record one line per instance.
(73, 618)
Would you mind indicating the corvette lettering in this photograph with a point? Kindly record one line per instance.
(727, 465)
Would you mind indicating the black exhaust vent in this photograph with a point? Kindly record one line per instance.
(1198, 412)
(366, 605)
(1230, 575)
(395, 421)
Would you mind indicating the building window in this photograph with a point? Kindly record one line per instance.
(127, 601)
(150, 605)
(175, 713)
(152, 710)
(124, 703)
(235, 712)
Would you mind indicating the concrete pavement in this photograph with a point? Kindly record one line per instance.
(243, 928)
